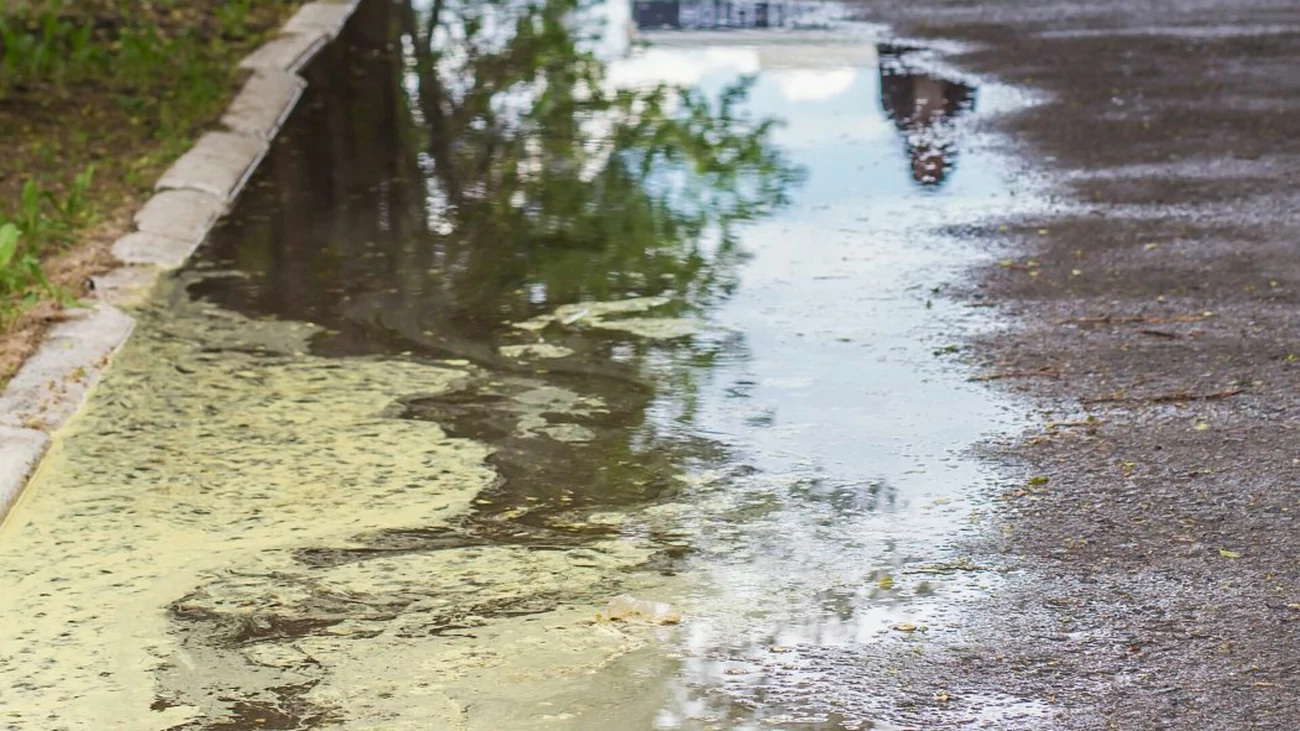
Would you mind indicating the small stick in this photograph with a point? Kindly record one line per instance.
(1130, 319)
(1164, 398)
(1084, 423)
(1045, 372)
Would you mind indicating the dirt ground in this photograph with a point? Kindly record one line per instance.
(1156, 321)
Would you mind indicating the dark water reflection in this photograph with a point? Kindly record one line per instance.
(453, 190)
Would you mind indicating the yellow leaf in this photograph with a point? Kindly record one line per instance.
(1228, 554)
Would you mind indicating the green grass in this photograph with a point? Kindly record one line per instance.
(97, 97)
(42, 221)
(61, 44)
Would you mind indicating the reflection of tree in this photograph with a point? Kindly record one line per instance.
(460, 166)
(455, 168)
(543, 176)
(924, 108)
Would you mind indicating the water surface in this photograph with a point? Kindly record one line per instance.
(514, 319)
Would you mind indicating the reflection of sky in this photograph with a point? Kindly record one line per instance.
(839, 376)
(801, 85)
(824, 303)
(829, 304)
(707, 67)
(833, 329)
(833, 308)
(832, 120)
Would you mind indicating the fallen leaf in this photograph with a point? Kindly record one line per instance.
(1228, 554)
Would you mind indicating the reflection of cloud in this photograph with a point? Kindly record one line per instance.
(614, 39)
(684, 67)
(651, 67)
(820, 131)
(798, 85)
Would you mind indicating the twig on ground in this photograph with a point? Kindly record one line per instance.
(1163, 398)
(1131, 319)
(1045, 372)
(1086, 423)
(1159, 333)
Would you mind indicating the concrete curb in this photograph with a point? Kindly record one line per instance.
(264, 103)
(191, 197)
(219, 164)
(20, 451)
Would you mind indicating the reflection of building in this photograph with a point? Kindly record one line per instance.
(924, 108)
(711, 14)
(749, 51)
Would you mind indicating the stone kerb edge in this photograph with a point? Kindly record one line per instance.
(190, 197)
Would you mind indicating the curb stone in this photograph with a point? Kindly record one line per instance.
(190, 198)
(20, 451)
(125, 286)
(186, 215)
(264, 103)
(287, 53)
(55, 381)
(143, 248)
(219, 164)
(325, 17)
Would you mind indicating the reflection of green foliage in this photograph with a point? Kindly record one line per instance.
(552, 178)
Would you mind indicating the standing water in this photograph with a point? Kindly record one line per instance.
(518, 330)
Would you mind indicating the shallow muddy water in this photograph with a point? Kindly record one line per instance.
(505, 329)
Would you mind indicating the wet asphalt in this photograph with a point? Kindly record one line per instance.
(1155, 324)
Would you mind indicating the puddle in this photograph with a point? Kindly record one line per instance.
(504, 329)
